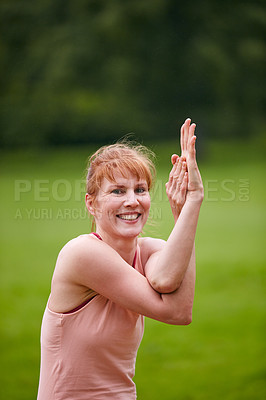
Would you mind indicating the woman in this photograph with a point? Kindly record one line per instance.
(105, 282)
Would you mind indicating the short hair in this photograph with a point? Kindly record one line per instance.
(123, 157)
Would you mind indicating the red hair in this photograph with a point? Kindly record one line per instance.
(125, 158)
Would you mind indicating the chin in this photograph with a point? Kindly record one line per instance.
(129, 232)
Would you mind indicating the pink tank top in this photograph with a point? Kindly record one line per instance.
(90, 354)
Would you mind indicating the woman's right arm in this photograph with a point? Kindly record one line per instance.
(91, 263)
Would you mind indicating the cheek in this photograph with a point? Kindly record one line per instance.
(99, 207)
(107, 206)
(147, 203)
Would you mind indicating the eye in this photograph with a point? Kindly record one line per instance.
(140, 190)
(117, 191)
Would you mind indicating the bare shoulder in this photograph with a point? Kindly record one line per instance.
(81, 261)
(149, 246)
(77, 252)
(85, 242)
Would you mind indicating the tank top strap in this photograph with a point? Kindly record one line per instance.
(97, 235)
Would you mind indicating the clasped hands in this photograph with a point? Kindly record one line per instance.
(185, 183)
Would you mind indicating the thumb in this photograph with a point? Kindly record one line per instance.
(174, 158)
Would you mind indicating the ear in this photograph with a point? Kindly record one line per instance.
(89, 204)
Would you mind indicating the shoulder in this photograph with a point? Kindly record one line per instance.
(80, 243)
(83, 257)
(149, 246)
(79, 252)
(83, 246)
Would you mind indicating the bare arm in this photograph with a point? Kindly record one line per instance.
(91, 263)
(186, 290)
(166, 268)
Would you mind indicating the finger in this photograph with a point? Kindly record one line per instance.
(174, 158)
(193, 172)
(178, 168)
(185, 181)
(192, 148)
(184, 187)
(183, 159)
(182, 138)
(176, 178)
(191, 132)
(170, 188)
(182, 172)
(186, 132)
(172, 173)
(179, 194)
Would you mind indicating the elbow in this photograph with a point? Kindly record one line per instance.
(185, 319)
(182, 317)
(165, 286)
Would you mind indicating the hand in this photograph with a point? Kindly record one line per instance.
(195, 189)
(176, 187)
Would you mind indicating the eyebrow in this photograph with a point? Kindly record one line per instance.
(118, 185)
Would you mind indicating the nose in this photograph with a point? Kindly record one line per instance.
(131, 199)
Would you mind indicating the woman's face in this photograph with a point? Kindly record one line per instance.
(122, 207)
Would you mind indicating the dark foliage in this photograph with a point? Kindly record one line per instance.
(92, 70)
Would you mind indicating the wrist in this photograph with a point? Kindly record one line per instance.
(194, 199)
(176, 214)
(195, 196)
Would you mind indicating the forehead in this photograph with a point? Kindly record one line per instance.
(119, 179)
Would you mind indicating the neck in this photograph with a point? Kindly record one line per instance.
(125, 247)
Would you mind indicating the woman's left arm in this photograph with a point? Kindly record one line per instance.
(166, 268)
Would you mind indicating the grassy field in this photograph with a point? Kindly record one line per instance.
(221, 355)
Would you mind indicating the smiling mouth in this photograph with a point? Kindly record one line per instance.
(129, 217)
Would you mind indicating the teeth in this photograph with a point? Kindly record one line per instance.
(129, 217)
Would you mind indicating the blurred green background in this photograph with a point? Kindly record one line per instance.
(90, 70)
(75, 75)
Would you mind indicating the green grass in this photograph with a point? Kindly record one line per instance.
(221, 355)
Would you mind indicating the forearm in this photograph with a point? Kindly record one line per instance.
(167, 271)
(180, 302)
